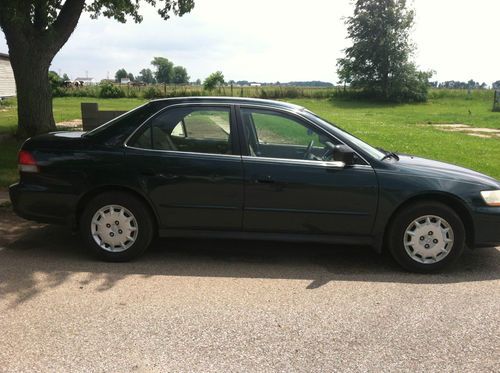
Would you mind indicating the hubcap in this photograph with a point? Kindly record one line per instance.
(114, 228)
(428, 239)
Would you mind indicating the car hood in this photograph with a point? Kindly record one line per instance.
(431, 168)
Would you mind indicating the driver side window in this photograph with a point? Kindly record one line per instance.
(276, 135)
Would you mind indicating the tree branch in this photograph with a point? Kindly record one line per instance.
(65, 23)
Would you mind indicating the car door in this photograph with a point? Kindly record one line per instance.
(292, 186)
(187, 158)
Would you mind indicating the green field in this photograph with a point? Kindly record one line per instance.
(398, 127)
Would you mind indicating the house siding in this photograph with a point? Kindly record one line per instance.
(7, 82)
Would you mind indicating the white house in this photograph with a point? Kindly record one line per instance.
(7, 82)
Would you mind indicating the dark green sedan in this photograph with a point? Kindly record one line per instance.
(245, 168)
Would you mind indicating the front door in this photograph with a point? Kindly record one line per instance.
(290, 184)
(187, 160)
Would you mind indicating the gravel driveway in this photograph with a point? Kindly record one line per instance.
(239, 306)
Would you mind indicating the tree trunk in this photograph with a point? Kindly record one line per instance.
(34, 96)
(33, 43)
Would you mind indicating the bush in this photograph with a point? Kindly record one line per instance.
(85, 91)
(151, 93)
(132, 94)
(108, 90)
(55, 82)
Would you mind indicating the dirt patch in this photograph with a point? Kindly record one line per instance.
(486, 133)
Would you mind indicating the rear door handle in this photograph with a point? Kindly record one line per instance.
(264, 179)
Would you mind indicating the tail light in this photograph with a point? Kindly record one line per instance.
(27, 162)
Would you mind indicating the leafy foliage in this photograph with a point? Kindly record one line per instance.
(35, 30)
(456, 84)
(55, 84)
(151, 93)
(164, 69)
(108, 90)
(146, 76)
(378, 62)
(180, 75)
(213, 80)
(120, 74)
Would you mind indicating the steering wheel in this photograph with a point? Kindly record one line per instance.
(330, 149)
(307, 153)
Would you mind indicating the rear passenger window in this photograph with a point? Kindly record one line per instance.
(194, 129)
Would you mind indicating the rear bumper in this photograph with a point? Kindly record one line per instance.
(486, 226)
(33, 202)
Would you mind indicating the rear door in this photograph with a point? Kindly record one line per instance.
(291, 184)
(187, 158)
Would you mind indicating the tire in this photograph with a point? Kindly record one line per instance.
(426, 237)
(116, 226)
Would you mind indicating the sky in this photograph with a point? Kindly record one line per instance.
(279, 40)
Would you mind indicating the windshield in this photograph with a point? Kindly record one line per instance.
(375, 153)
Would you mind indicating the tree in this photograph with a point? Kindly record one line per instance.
(65, 77)
(130, 77)
(378, 62)
(120, 74)
(213, 80)
(164, 70)
(495, 85)
(146, 76)
(35, 30)
(180, 75)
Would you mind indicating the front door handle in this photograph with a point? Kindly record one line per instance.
(268, 179)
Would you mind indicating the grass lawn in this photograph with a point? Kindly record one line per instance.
(402, 128)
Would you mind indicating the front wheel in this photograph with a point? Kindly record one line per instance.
(426, 237)
(117, 226)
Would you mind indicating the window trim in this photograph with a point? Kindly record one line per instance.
(235, 143)
(299, 118)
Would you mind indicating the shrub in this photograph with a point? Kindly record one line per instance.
(85, 91)
(132, 94)
(55, 82)
(151, 93)
(108, 90)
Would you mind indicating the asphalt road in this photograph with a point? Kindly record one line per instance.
(239, 306)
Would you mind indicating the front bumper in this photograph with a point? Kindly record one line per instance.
(486, 226)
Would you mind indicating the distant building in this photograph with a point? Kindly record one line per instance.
(255, 84)
(84, 81)
(7, 82)
(124, 81)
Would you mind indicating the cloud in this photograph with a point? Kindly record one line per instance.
(271, 40)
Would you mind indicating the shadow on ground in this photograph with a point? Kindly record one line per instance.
(36, 258)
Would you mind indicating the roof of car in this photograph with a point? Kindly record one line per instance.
(231, 100)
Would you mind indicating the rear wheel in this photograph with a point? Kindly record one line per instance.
(117, 226)
(426, 237)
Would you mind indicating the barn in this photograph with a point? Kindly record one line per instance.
(7, 82)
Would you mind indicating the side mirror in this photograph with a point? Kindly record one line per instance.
(344, 153)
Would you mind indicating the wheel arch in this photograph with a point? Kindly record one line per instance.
(450, 200)
(89, 195)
